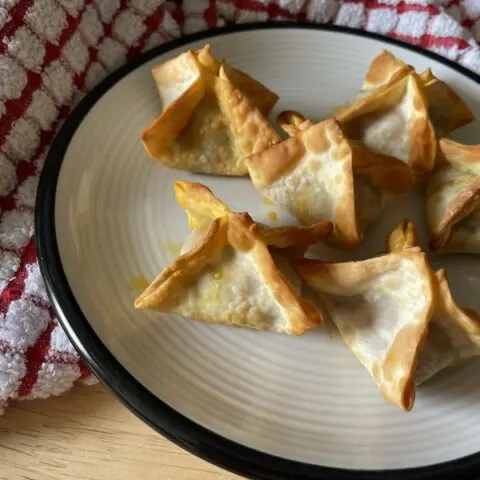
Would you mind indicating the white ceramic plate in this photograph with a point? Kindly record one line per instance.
(240, 398)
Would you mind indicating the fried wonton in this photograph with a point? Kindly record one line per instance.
(453, 199)
(447, 111)
(319, 174)
(454, 332)
(382, 307)
(213, 116)
(394, 121)
(226, 273)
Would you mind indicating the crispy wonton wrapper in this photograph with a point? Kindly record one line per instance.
(394, 121)
(385, 69)
(382, 307)
(226, 273)
(447, 111)
(319, 174)
(454, 332)
(213, 116)
(453, 199)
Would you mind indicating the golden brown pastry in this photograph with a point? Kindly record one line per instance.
(202, 206)
(453, 335)
(454, 332)
(382, 307)
(447, 111)
(385, 69)
(226, 273)
(393, 121)
(319, 174)
(291, 122)
(258, 94)
(453, 199)
(213, 116)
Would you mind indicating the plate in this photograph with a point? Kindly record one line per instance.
(261, 404)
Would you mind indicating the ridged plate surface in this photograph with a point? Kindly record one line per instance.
(306, 398)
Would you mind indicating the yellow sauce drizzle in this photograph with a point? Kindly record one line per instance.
(138, 283)
(267, 201)
(273, 216)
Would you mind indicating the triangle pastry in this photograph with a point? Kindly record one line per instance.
(226, 273)
(447, 111)
(394, 121)
(318, 174)
(454, 332)
(453, 199)
(382, 307)
(213, 116)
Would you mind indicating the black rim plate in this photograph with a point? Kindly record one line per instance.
(177, 428)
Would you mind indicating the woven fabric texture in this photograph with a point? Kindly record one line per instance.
(52, 52)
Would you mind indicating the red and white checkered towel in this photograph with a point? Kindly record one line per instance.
(53, 51)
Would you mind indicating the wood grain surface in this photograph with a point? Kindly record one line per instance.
(88, 434)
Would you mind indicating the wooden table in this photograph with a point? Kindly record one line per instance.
(88, 435)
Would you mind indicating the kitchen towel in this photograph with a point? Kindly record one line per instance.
(52, 52)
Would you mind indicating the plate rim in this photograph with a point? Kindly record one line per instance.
(184, 432)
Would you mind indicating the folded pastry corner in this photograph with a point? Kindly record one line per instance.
(258, 94)
(453, 336)
(447, 111)
(199, 203)
(393, 121)
(296, 235)
(385, 69)
(291, 122)
(382, 307)
(213, 116)
(453, 199)
(226, 273)
(403, 237)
